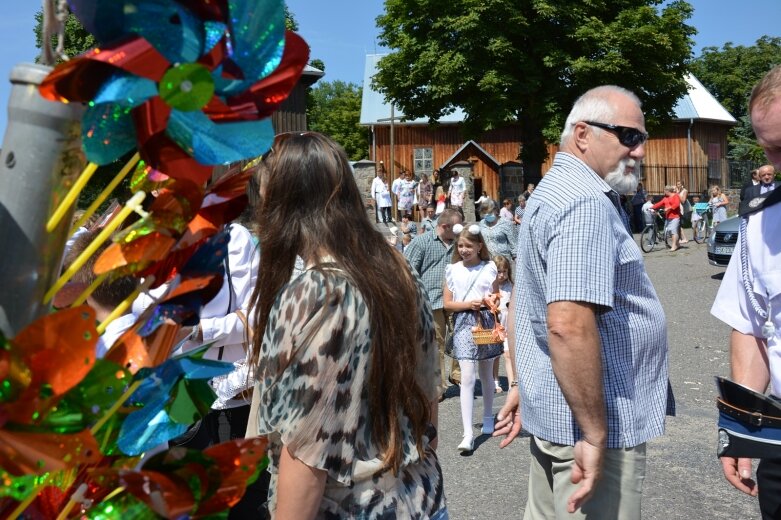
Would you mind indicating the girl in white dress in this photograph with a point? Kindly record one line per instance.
(468, 280)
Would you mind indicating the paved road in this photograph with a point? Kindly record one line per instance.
(683, 478)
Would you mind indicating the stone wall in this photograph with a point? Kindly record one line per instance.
(365, 171)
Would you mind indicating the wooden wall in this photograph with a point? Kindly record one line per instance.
(445, 140)
(666, 151)
(291, 115)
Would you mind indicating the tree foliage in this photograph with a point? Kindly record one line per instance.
(729, 74)
(77, 39)
(334, 109)
(526, 61)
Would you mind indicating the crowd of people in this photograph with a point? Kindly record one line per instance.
(344, 346)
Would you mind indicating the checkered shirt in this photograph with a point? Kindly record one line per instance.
(428, 255)
(575, 247)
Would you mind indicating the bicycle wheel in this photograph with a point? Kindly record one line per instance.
(648, 239)
(666, 237)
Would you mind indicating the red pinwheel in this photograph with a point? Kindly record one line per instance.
(176, 88)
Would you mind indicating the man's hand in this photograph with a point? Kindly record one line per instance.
(587, 470)
(738, 473)
(509, 418)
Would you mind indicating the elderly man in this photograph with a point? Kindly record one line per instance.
(428, 254)
(589, 332)
(752, 307)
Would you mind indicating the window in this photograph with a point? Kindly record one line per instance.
(424, 160)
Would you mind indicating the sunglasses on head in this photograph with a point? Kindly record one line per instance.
(628, 136)
(279, 139)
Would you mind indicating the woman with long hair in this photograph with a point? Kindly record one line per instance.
(718, 203)
(686, 208)
(346, 384)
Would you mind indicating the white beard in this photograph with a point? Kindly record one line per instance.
(620, 180)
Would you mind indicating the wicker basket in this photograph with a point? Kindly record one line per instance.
(482, 336)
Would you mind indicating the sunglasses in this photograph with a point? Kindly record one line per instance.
(628, 136)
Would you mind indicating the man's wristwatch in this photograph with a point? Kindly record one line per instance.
(513, 383)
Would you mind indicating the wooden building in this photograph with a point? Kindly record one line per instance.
(692, 149)
(291, 116)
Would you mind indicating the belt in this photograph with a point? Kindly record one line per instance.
(754, 418)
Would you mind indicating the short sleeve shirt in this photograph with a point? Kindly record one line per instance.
(763, 259)
(574, 246)
(313, 385)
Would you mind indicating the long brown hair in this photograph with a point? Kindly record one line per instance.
(312, 205)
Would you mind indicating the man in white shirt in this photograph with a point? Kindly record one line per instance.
(752, 307)
(382, 198)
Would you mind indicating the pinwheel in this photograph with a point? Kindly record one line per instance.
(182, 482)
(188, 86)
(174, 395)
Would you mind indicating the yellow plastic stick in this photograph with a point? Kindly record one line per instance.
(71, 197)
(111, 411)
(120, 309)
(76, 497)
(132, 205)
(89, 290)
(106, 192)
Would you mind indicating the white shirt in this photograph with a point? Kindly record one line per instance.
(113, 331)
(480, 277)
(219, 322)
(732, 305)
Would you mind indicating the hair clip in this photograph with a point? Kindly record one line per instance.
(457, 229)
(474, 229)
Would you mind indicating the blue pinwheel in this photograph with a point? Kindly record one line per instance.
(188, 86)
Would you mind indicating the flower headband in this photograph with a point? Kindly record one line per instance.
(474, 229)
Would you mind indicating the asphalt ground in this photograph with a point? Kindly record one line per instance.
(683, 475)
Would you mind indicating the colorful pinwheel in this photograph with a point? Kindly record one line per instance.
(188, 86)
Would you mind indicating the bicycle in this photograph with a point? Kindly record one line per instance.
(655, 233)
(702, 228)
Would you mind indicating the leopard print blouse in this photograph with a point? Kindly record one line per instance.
(313, 390)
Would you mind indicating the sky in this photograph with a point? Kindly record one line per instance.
(342, 32)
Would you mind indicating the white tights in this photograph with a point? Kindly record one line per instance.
(468, 378)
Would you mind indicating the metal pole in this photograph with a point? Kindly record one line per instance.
(40, 158)
(392, 176)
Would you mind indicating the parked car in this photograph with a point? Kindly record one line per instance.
(722, 241)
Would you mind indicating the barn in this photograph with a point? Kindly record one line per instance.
(693, 147)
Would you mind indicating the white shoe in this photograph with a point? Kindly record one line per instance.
(488, 426)
(467, 444)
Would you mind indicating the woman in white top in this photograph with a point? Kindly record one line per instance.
(468, 280)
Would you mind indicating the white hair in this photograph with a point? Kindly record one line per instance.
(595, 105)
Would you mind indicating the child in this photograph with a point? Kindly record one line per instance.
(504, 281)
(107, 296)
(696, 216)
(648, 214)
(440, 200)
(468, 280)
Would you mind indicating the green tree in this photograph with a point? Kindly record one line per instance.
(77, 39)
(730, 73)
(334, 109)
(526, 61)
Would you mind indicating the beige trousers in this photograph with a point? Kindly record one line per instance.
(617, 496)
(455, 370)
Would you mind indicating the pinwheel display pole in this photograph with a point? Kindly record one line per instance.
(40, 157)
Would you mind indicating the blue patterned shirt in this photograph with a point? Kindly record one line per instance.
(574, 247)
(429, 255)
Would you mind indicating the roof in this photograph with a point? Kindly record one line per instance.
(700, 104)
(464, 147)
(697, 103)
